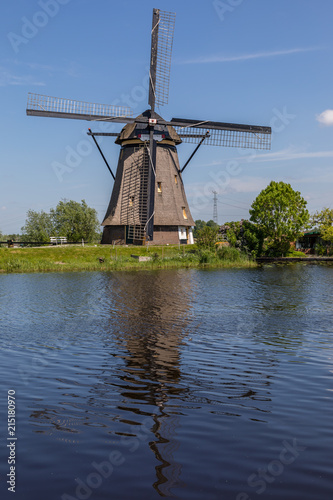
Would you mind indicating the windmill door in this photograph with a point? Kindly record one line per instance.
(129, 238)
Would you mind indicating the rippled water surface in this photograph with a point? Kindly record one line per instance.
(186, 384)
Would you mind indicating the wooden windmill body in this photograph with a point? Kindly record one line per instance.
(148, 201)
(127, 213)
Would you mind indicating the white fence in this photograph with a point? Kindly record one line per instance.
(55, 240)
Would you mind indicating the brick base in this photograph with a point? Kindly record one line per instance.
(114, 235)
(163, 235)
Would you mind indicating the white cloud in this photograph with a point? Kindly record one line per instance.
(3, 208)
(246, 57)
(7, 78)
(326, 118)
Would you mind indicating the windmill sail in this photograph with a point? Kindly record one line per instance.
(159, 79)
(149, 226)
(160, 59)
(57, 107)
(223, 134)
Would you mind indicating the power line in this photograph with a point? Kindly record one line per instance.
(234, 206)
(237, 201)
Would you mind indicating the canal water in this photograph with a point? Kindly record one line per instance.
(185, 384)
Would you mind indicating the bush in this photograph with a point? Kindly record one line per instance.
(274, 248)
(205, 256)
(155, 257)
(244, 235)
(206, 237)
(230, 253)
(320, 250)
(295, 253)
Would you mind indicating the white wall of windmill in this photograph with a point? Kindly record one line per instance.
(182, 234)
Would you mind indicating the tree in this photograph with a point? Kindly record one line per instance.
(75, 221)
(38, 227)
(207, 237)
(12, 236)
(213, 224)
(324, 221)
(281, 214)
(244, 235)
(199, 224)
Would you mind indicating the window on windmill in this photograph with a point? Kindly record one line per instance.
(131, 200)
(184, 213)
(176, 179)
(159, 187)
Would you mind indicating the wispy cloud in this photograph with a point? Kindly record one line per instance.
(292, 154)
(8, 78)
(33, 66)
(326, 118)
(286, 154)
(247, 57)
(16, 72)
(69, 68)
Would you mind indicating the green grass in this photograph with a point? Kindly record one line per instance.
(87, 258)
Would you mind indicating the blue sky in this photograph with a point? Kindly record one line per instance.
(243, 61)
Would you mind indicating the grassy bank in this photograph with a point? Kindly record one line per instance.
(107, 258)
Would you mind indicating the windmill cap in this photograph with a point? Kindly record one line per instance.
(141, 127)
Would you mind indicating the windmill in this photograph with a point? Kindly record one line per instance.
(148, 201)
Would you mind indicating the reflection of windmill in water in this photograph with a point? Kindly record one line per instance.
(148, 200)
(153, 318)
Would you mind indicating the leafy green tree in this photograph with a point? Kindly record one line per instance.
(243, 235)
(281, 214)
(75, 221)
(38, 227)
(213, 224)
(199, 224)
(207, 237)
(13, 236)
(324, 221)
